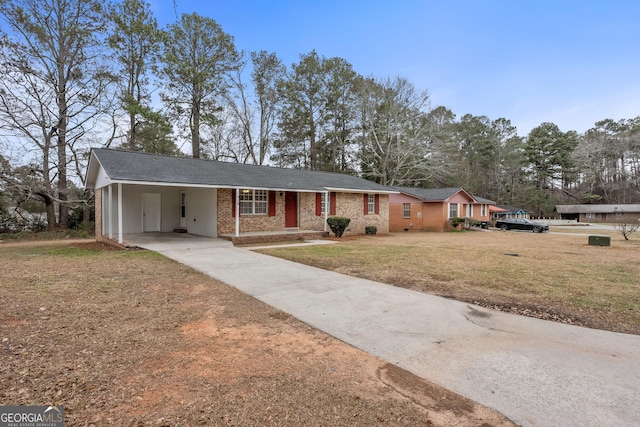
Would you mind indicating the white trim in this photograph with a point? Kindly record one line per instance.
(185, 185)
(449, 210)
(351, 190)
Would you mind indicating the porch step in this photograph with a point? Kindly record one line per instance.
(279, 237)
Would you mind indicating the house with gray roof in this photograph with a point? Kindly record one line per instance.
(141, 192)
(430, 209)
(508, 211)
(600, 213)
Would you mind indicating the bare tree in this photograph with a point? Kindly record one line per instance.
(395, 130)
(52, 87)
(626, 228)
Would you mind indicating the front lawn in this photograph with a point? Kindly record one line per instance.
(551, 276)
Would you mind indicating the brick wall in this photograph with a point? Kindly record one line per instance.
(352, 206)
(248, 223)
(347, 204)
(398, 223)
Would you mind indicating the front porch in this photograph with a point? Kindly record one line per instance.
(255, 237)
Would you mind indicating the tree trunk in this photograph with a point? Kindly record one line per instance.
(195, 130)
(63, 210)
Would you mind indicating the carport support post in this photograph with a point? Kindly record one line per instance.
(237, 202)
(120, 239)
(109, 205)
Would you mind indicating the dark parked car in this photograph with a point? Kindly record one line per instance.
(521, 224)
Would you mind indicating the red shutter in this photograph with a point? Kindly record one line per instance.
(233, 202)
(366, 204)
(332, 203)
(272, 203)
(318, 204)
(377, 202)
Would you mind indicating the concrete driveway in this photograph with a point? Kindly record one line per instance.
(537, 373)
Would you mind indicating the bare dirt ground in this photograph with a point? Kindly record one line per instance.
(129, 338)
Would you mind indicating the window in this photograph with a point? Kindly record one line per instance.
(406, 210)
(371, 205)
(483, 210)
(469, 210)
(453, 210)
(324, 206)
(591, 215)
(253, 202)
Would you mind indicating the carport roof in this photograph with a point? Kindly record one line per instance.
(121, 166)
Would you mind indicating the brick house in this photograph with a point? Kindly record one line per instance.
(600, 213)
(429, 209)
(141, 192)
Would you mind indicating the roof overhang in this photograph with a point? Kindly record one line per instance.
(368, 191)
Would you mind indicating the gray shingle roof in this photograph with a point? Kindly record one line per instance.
(129, 166)
(430, 194)
(623, 208)
(439, 194)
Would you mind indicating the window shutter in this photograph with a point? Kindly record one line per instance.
(332, 202)
(366, 203)
(272, 203)
(318, 204)
(233, 202)
(377, 203)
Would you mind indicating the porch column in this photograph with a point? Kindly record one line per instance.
(237, 202)
(120, 240)
(327, 209)
(109, 207)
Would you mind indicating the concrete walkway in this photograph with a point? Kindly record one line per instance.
(535, 372)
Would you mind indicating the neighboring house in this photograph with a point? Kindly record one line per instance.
(600, 213)
(429, 209)
(140, 192)
(506, 211)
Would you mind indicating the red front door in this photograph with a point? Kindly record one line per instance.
(290, 210)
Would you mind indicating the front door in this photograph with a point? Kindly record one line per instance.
(290, 210)
(150, 212)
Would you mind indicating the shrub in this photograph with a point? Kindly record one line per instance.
(456, 221)
(338, 224)
(370, 229)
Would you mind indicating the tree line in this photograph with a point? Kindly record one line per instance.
(76, 74)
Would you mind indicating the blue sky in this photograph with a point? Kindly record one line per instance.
(568, 62)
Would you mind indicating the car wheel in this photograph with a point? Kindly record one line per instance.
(537, 229)
(504, 227)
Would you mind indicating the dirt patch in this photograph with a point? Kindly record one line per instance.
(129, 338)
